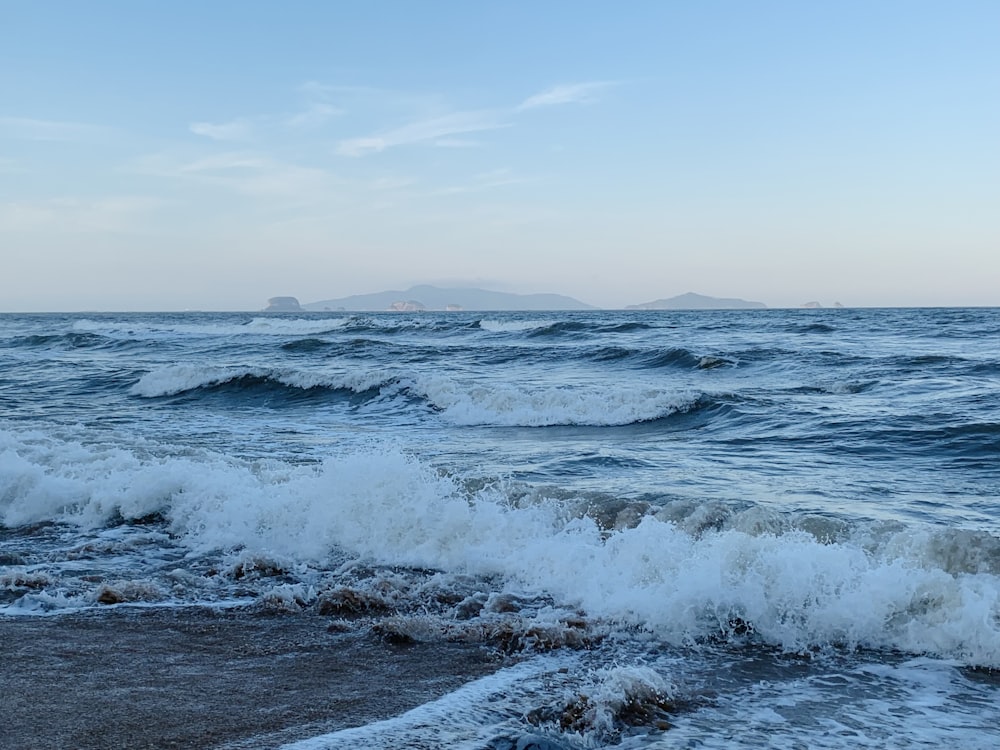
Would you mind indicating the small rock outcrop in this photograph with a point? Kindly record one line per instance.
(283, 304)
(410, 305)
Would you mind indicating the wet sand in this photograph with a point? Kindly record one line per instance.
(200, 678)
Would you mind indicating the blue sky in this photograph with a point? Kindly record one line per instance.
(210, 155)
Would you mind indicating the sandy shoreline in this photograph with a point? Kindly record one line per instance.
(202, 678)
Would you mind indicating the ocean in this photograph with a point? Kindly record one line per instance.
(773, 528)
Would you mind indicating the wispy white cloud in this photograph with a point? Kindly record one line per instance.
(317, 110)
(240, 129)
(319, 107)
(315, 115)
(9, 166)
(229, 161)
(422, 131)
(107, 214)
(501, 176)
(243, 172)
(457, 143)
(30, 129)
(372, 99)
(572, 93)
(391, 183)
(485, 181)
(441, 131)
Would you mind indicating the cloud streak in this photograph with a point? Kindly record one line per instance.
(106, 214)
(318, 107)
(9, 166)
(441, 131)
(420, 131)
(485, 181)
(247, 173)
(315, 115)
(240, 129)
(29, 129)
(572, 93)
(316, 112)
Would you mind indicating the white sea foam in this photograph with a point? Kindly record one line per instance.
(526, 406)
(284, 326)
(512, 326)
(612, 692)
(918, 703)
(477, 714)
(388, 508)
(464, 719)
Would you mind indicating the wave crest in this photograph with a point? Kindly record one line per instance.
(512, 406)
(178, 379)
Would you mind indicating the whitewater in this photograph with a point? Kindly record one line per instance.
(775, 528)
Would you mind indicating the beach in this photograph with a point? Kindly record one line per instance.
(196, 677)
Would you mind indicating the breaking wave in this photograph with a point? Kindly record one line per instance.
(458, 402)
(512, 326)
(775, 579)
(177, 379)
(525, 406)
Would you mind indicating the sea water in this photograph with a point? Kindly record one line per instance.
(775, 528)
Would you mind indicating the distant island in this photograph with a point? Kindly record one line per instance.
(426, 297)
(429, 298)
(692, 301)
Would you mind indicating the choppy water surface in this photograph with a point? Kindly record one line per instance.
(683, 529)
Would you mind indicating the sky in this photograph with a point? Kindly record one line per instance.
(193, 155)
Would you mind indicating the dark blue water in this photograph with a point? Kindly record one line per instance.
(759, 513)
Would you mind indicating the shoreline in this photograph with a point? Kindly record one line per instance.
(208, 678)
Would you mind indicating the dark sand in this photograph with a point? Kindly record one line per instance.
(200, 678)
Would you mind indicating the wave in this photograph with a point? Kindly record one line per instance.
(945, 363)
(458, 402)
(915, 589)
(611, 354)
(296, 326)
(306, 345)
(512, 326)
(561, 328)
(353, 347)
(988, 368)
(72, 340)
(525, 406)
(552, 327)
(812, 328)
(177, 379)
(967, 443)
(682, 358)
(255, 326)
(625, 327)
(394, 323)
(35, 340)
(653, 359)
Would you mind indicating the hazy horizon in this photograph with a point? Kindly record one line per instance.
(184, 157)
(804, 304)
